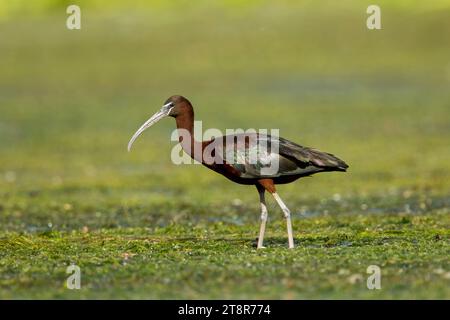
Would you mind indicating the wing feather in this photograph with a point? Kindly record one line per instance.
(263, 156)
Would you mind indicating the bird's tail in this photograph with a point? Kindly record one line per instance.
(327, 161)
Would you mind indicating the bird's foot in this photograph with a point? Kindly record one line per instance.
(258, 245)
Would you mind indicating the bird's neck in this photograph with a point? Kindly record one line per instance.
(185, 127)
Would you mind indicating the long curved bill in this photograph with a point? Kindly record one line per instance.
(164, 112)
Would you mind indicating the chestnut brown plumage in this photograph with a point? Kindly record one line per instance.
(247, 158)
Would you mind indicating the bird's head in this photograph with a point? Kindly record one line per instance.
(175, 106)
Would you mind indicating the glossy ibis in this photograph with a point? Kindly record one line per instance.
(292, 160)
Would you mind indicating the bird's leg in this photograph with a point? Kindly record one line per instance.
(262, 229)
(287, 215)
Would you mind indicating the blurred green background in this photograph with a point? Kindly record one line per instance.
(71, 99)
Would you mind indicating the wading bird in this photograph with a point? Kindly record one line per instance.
(247, 158)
